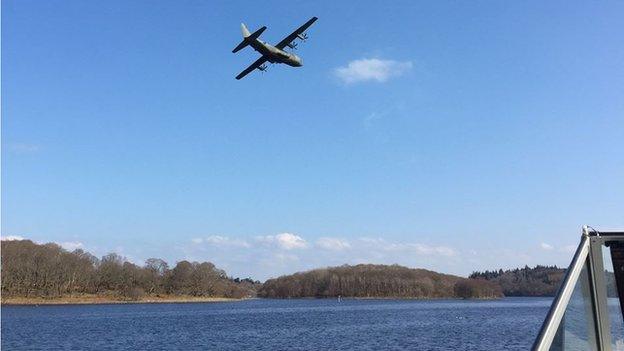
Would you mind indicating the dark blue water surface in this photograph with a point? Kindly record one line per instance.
(507, 324)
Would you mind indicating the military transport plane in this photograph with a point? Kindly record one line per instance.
(273, 54)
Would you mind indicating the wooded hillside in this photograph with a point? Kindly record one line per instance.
(368, 280)
(30, 269)
(537, 281)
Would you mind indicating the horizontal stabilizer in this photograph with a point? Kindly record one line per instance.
(241, 45)
(248, 37)
(256, 34)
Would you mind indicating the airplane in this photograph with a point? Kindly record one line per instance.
(270, 53)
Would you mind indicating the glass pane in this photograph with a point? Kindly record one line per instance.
(577, 330)
(616, 321)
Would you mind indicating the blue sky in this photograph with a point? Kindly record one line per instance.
(444, 135)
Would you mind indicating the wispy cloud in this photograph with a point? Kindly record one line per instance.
(333, 244)
(396, 109)
(266, 256)
(433, 250)
(23, 148)
(371, 69)
(284, 253)
(67, 245)
(218, 240)
(372, 117)
(563, 248)
(11, 238)
(415, 248)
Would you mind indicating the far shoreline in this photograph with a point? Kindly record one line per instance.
(111, 300)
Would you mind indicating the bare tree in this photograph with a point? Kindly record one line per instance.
(30, 269)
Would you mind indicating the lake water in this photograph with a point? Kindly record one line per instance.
(506, 324)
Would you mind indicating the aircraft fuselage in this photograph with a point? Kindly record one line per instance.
(275, 55)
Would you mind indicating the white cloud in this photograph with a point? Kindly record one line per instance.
(421, 249)
(333, 244)
(12, 237)
(373, 69)
(290, 241)
(226, 241)
(417, 248)
(545, 246)
(286, 241)
(221, 241)
(71, 245)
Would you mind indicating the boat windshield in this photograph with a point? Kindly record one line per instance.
(586, 313)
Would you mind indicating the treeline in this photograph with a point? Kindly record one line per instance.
(536, 281)
(33, 270)
(368, 281)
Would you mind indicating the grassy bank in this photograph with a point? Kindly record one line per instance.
(108, 299)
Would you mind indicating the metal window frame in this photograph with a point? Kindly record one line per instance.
(588, 252)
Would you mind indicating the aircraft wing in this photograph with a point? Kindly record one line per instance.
(251, 67)
(282, 44)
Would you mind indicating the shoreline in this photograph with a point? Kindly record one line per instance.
(343, 298)
(164, 299)
(110, 300)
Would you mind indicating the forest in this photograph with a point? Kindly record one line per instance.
(48, 270)
(536, 281)
(386, 281)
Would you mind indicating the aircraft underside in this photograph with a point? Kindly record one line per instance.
(272, 53)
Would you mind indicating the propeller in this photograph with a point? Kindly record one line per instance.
(292, 46)
(302, 36)
(263, 67)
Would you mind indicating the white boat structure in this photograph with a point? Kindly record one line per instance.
(586, 313)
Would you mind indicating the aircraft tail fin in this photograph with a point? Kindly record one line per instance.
(248, 37)
(245, 30)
